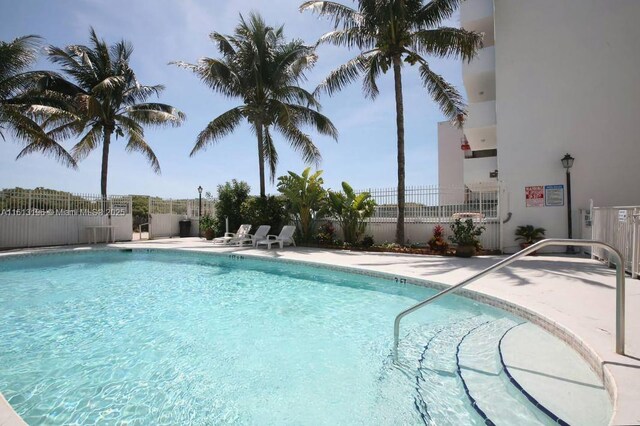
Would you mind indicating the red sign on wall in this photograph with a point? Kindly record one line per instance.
(534, 196)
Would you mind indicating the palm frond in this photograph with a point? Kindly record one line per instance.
(225, 46)
(140, 93)
(297, 115)
(445, 42)
(300, 142)
(138, 144)
(444, 94)
(221, 126)
(156, 114)
(18, 55)
(49, 148)
(435, 12)
(342, 76)
(296, 94)
(90, 141)
(270, 153)
(350, 38)
(338, 13)
(374, 65)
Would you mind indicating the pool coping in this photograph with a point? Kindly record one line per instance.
(587, 353)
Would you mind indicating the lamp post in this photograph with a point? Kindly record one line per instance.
(199, 208)
(567, 163)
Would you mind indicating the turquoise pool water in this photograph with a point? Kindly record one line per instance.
(182, 338)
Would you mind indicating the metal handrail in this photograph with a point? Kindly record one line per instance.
(620, 285)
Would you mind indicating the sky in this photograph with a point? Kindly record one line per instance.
(162, 31)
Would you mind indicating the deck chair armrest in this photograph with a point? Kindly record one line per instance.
(229, 234)
(272, 237)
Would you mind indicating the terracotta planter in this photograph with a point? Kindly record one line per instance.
(465, 251)
(209, 234)
(525, 245)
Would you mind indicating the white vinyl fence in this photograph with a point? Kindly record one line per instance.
(165, 216)
(32, 218)
(428, 206)
(620, 227)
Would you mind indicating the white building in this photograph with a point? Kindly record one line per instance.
(554, 77)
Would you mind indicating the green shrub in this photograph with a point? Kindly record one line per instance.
(269, 210)
(207, 222)
(231, 195)
(367, 241)
(466, 233)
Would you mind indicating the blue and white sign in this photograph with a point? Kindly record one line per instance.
(554, 195)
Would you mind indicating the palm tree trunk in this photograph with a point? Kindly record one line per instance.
(260, 133)
(397, 75)
(106, 141)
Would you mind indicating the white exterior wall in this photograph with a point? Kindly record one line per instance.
(450, 167)
(567, 80)
(37, 231)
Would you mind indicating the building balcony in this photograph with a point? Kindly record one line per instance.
(481, 114)
(477, 15)
(479, 76)
(480, 126)
(477, 173)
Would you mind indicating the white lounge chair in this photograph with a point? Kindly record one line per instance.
(285, 237)
(233, 237)
(259, 235)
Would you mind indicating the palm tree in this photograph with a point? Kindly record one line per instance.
(263, 70)
(388, 32)
(23, 107)
(106, 96)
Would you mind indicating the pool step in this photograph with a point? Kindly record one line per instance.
(486, 382)
(459, 378)
(440, 393)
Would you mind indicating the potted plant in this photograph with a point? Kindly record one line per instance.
(437, 243)
(465, 237)
(528, 234)
(208, 226)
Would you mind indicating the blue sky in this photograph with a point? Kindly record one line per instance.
(168, 30)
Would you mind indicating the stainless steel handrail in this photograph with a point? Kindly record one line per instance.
(620, 285)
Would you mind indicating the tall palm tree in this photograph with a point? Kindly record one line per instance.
(388, 32)
(23, 107)
(263, 70)
(105, 94)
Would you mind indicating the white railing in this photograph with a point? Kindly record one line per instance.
(428, 206)
(32, 218)
(619, 227)
(165, 215)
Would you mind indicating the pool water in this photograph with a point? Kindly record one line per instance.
(153, 337)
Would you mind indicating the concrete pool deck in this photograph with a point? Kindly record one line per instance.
(572, 296)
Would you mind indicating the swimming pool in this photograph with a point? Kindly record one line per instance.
(161, 337)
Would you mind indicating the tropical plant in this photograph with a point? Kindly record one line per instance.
(388, 32)
(351, 210)
(529, 234)
(270, 210)
(306, 200)
(231, 197)
(437, 242)
(261, 68)
(104, 92)
(465, 234)
(326, 233)
(208, 225)
(23, 106)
